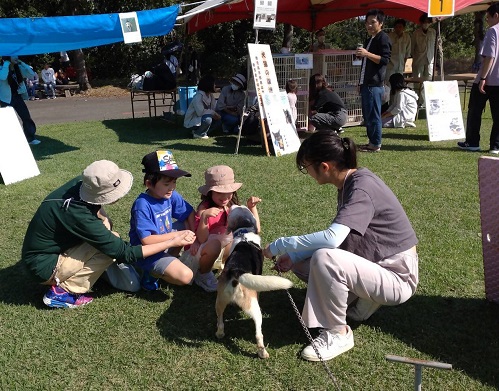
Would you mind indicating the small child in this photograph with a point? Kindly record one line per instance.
(404, 104)
(292, 89)
(212, 243)
(151, 220)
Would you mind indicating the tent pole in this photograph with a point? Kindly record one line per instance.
(256, 36)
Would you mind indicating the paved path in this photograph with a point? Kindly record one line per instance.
(76, 108)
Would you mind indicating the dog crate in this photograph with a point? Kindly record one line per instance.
(285, 70)
(342, 72)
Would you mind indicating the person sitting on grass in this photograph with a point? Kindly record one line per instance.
(404, 104)
(69, 242)
(152, 220)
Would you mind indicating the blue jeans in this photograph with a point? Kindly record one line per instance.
(230, 122)
(22, 111)
(50, 85)
(206, 125)
(371, 110)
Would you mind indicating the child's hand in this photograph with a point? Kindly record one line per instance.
(184, 239)
(210, 212)
(252, 202)
(194, 247)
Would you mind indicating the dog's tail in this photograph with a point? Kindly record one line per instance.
(264, 283)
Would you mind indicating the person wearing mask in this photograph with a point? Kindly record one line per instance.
(13, 92)
(230, 104)
(320, 43)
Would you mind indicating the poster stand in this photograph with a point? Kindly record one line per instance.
(16, 159)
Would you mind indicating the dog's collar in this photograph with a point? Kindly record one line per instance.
(241, 232)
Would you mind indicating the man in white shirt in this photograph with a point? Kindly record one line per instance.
(401, 49)
(48, 77)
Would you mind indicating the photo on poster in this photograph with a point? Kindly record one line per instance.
(130, 27)
(443, 110)
(304, 61)
(264, 16)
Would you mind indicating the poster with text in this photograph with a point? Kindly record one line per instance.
(16, 159)
(273, 104)
(443, 110)
(265, 14)
(130, 27)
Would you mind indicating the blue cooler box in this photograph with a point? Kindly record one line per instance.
(185, 95)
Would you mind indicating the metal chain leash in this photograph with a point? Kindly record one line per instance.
(307, 333)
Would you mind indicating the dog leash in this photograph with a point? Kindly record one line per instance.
(305, 329)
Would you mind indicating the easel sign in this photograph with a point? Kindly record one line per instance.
(16, 159)
(280, 122)
(272, 107)
(443, 110)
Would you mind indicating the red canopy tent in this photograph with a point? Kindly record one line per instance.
(310, 14)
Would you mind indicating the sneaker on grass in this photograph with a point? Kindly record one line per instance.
(56, 297)
(148, 282)
(207, 281)
(467, 147)
(329, 344)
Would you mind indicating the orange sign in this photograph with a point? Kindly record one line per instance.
(440, 8)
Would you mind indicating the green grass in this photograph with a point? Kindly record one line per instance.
(166, 340)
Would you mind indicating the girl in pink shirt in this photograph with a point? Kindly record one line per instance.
(218, 194)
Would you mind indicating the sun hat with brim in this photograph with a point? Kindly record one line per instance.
(219, 179)
(103, 182)
(239, 79)
(162, 162)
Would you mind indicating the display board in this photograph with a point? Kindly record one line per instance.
(443, 110)
(271, 104)
(16, 159)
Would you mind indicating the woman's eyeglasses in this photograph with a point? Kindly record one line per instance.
(304, 169)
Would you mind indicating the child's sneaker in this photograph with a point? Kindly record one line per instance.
(148, 282)
(57, 297)
(207, 281)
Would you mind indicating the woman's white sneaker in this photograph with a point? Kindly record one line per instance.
(329, 344)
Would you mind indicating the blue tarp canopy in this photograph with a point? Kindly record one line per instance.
(24, 36)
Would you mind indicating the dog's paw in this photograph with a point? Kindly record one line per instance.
(220, 334)
(262, 353)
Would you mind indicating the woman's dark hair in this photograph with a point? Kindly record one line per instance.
(397, 82)
(312, 85)
(326, 146)
(207, 84)
(209, 200)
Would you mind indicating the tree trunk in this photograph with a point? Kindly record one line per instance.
(81, 70)
(288, 36)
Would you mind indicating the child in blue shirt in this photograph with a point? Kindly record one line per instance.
(152, 217)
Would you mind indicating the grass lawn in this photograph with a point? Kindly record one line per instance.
(165, 340)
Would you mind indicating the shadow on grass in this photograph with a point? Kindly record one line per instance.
(155, 131)
(50, 147)
(463, 332)
(191, 318)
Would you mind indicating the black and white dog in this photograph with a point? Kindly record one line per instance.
(241, 279)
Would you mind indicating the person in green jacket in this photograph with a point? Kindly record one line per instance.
(69, 242)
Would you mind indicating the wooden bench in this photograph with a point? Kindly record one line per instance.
(62, 89)
(154, 99)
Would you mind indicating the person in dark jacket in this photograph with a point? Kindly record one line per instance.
(375, 56)
(69, 242)
(327, 110)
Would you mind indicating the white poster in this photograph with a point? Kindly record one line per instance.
(265, 14)
(443, 110)
(271, 101)
(16, 159)
(130, 27)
